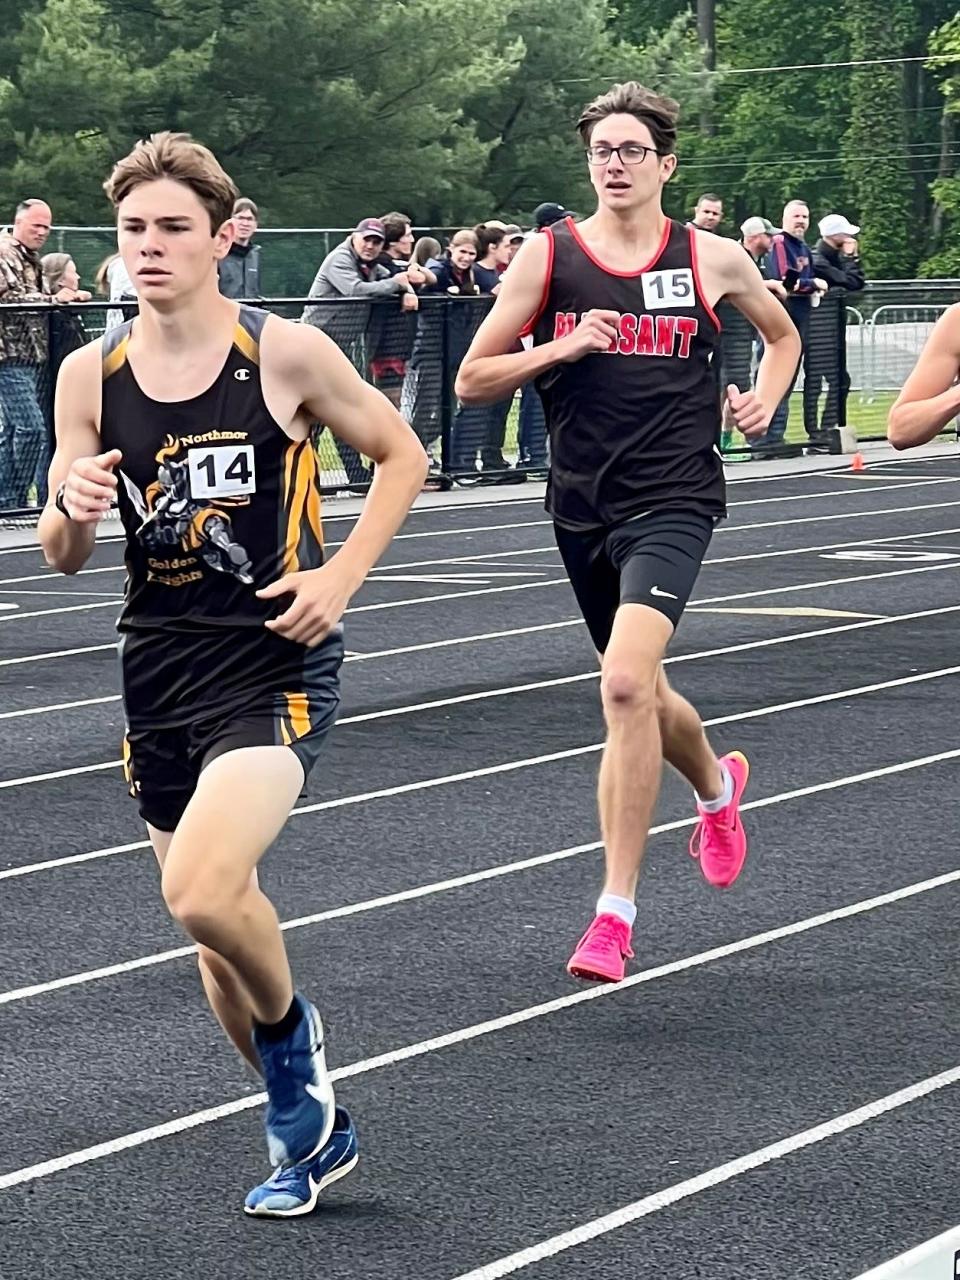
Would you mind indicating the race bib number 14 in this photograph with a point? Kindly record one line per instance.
(663, 289)
(222, 471)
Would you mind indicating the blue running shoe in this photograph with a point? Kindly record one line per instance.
(294, 1190)
(300, 1105)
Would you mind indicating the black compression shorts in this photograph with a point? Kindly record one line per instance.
(162, 766)
(652, 560)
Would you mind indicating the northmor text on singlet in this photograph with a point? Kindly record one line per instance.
(635, 428)
(216, 502)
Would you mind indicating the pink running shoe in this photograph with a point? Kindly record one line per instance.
(718, 839)
(603, 951)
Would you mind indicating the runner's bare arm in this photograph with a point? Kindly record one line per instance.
(491, 370)
(735, 277)
(332, 392)
(931, 395)
(79, 463)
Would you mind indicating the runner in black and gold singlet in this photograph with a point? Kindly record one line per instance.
(621, 308)
(216, 501)
(196, 417)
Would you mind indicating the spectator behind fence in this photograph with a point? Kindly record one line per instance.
(836, 260)
(113, 282)
(791, 263)
(397, 330)
(351, 270)
(239, 271)
(514, 238)
(60, 275)
(738, 337)
(426, 249)
(483, 428)
(708, 213)
(24, 352)
(546, 214)
(423, 387)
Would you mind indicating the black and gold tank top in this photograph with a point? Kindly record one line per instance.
(216, 501)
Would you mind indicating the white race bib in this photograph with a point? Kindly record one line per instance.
(222, 471)
(668, 289)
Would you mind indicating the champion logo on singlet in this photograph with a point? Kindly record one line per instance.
(642, 335)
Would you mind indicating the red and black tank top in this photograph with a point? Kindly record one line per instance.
(216, 501)
(635, 428)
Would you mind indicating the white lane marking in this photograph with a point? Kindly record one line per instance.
(60, 706)
(9, 606)
(933, 1258)
(715, 1177)
(182, 1124)
(53, 591)
(59, 653)
(544, 626)
(786, 611)
(906, 483)
(562, 580)
(69, 608)
(508, 690)
(724, 529)
(919, 678)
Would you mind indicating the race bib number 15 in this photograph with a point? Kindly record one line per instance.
(668, 289)
(222, 471)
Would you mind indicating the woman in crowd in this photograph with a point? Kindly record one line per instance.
(60, 277)
(113, 282)
(424, 386)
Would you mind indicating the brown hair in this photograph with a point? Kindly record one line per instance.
(425, 249)
(487, 237)
(713, 199)
(246, 205)
(395, 226)
(659, 114)
(178, 157)
(53, 265)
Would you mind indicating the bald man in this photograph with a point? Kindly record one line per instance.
(790, 262)
(24, 347)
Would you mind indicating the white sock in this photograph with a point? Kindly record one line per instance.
(610, 904)
(723, 799)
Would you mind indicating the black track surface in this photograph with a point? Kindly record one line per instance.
(515, 1133)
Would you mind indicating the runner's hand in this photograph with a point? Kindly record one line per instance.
(743, 410)
(597, 331)
(320, 597)
(91, 486)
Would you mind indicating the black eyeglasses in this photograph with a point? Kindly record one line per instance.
(628, 153)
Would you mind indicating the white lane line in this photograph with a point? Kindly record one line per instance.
(544, 626)
(630, 1213)
(59, 653)
(182, 1124)
(508, 690)
(723, 529)
(562, 579)
(60, 706)
(70, 608)
(932, 1260)
(96, 854)
(55, 591)
(907, 483)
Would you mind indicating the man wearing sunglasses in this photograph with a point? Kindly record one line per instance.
(626, 340)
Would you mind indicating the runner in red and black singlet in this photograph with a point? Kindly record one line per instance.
(197, 417)
(621, 308)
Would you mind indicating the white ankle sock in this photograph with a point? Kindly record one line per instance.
(723, 799)
(610, 904)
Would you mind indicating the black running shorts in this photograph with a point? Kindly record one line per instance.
(652, 560)
(162, 766)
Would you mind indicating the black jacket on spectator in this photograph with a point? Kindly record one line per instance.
(839, 270)
(239, 272)
(463, 319)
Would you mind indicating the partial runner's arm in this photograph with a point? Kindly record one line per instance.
(931, 395)
(733, 276)
(491, 369)
(332, 392)
(79, 463)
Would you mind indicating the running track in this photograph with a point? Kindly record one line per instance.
(770, 1095)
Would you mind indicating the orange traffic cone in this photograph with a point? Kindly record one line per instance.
(857, 463)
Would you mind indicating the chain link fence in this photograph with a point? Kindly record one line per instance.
(858, 350)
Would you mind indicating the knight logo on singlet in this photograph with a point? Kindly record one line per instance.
(642, 335)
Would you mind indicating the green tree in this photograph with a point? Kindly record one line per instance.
(945, 258)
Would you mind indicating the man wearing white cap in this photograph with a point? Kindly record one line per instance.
(836, 259)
